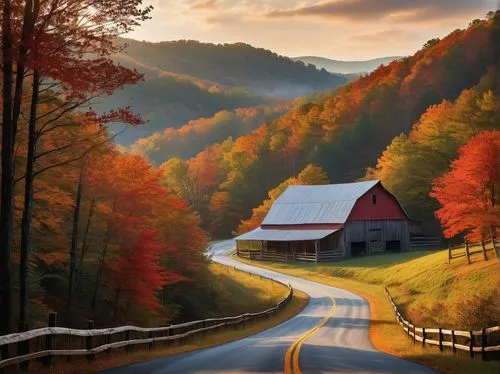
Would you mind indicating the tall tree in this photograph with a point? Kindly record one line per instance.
(469, 192)
(7, 188)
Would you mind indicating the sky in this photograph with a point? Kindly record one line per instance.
(337, 29)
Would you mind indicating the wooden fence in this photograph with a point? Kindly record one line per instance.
(45, 343)
(274, 256)
(485, 342)
(464, 250)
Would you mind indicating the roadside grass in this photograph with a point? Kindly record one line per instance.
(248, 291)
(419, 279)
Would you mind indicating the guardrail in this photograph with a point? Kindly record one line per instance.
(45, 343)
(470, 341)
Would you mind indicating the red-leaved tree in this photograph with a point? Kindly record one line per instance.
(470, 192)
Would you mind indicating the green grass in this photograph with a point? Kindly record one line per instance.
(242, 290)
(427, 289)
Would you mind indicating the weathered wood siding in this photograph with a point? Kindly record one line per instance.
(383, 230)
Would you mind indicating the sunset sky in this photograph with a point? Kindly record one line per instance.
(338, 29)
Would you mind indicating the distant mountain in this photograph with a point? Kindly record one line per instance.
(186, 80)
(261, 71)
(346, 67)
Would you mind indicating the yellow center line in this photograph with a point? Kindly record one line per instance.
(292, 365)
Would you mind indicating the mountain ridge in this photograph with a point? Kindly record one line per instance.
(346, 67)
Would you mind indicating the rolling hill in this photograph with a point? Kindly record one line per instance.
(346, 67)
(186, 80)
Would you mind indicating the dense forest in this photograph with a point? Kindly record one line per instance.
(86, 230)
(346, 131)
(194, 136)
(186, 80)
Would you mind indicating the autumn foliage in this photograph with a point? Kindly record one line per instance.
(469, 192)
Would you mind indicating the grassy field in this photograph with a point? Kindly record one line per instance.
(244, 293)
(427, 289)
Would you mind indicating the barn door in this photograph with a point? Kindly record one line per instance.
(375, 243)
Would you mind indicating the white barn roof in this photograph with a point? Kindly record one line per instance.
(330, 203)
(286, 235)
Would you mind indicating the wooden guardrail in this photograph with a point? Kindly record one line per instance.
(485, 341)
(45, 343)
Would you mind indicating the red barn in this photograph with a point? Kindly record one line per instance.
(327, 222)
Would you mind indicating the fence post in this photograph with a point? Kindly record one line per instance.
(471, 344)
(127, 338)
(467, 251)
(88, 341)
(484, 343)
(453, 341)
(441, 339)
(23, 347)
(423, 336)
(449, 252)
(49, 340)
(414, 335)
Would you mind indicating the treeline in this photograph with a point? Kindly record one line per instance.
(239, 64)
(343, 132)
(85, 230)
(196, 135)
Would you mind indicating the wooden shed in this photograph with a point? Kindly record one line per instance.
(328, 222)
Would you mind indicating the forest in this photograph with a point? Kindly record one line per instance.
(414, 110)
(94, 229)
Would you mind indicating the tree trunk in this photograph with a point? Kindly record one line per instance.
(28, 203)
(100, 269)
(85, 244)
(74, 237)
(7, 181)
(492, 236)
(102, 260)
(117, 299)
(483, 248)
(28, 23)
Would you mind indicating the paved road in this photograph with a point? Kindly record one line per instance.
(329, 336)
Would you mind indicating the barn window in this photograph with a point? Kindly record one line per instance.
(374, 199)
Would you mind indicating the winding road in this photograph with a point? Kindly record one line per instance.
(329, 336)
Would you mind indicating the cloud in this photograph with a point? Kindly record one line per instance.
(205, 5)
(374, 10)
(393, 36)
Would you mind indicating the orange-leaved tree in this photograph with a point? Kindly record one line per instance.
(469, 191)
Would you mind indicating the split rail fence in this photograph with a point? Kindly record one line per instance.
(467, 249)
(485, 342)
(46, 343)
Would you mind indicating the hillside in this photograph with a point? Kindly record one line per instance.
(261, 71)
(186, 80)
(346, 67)
(345, 131)
(194, 136)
